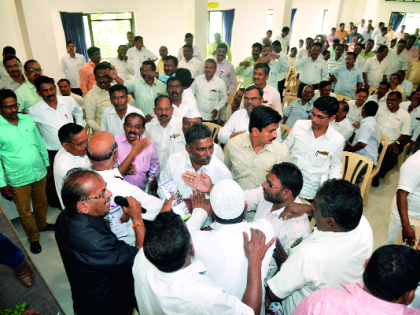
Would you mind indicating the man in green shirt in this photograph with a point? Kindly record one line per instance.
(248, 62)
(212, 48)
(26, 93)
(25, 167)
(367, 52)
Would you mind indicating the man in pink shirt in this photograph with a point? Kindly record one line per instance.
(133, 131)
(390, 279)
(410, 50)
(87, 78)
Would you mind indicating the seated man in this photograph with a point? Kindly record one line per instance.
(134, 126)
(248, 155)
(165, 286)
(317, 148)
(405, 84)
(356, 106)
(324, 89)
(394, 82)
(180, 104)
(65, 90)
(380, 97)
(113, 116)
(74, 139)
(301, 108)
(333, 254)
(341, 123)
(413, 109)
(178, 145)
(389, 281)
(234, 106)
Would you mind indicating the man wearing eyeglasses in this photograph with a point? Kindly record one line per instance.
(367, 52)
(315, 147)
(25, 167)
(26, 94)
(15, 78)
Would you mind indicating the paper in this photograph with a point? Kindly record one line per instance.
(114, 215)
(178, 205)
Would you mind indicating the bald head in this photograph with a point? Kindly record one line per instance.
(100, 150)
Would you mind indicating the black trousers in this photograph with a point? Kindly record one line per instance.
(302, 85)
(77, 91)
(280, 85)
(390, 159)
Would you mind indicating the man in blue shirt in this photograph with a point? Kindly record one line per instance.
(347, 77)
(170, 65)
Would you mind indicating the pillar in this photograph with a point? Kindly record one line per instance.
(335, 13)
(282, 13)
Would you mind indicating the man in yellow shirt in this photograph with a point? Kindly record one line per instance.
(341, 32)
(163, 52)
(211, 49)
(413, 72)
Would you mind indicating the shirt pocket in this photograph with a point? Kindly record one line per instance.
(143, 164)
(395, 124)
(213, 95)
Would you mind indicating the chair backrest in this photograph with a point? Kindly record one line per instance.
(284, 131)
(214, 128)
(287, 100)
(292, 87)
(238, 85)
(341, 97)
(231, 97)
(416, 225)
(372, 91)
(290, 72)
(385, 143)
(238, 77)
(352, 165)
(89, 131)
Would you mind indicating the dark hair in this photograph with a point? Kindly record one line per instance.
(293, 48)
(263, 65)
(173, 58)
(68, 131)
(93, 50)
(290, 176)
(243, 89)
(102, 66)
(319, 45)
(8, 58)
(188, 46)
(360, 44)
(104, 156)
(352, 54)
(222, 45)
(333, 29)
(150, 63)
(385, 83)
(70, 42)
(342, 201)
(73, 191)
(63, 80)
(342, 24)
(269, 31)
(301, 40)
(263, 116)
(167, 242)
(26, 65)
(197, 132)
(337, 41)
(392, 271)
(339, 45)
(370, 40)
(286, 28)
(276, 43)
(189, 35)
(212, 61)
(254, 87)
(370, 108)
(398, 94)
(136, 38)
(398, 76)
(381, 23)
(385, 28)
(345, 105)
(309, 38)
(324, 84)
(134, 115)
(119, 88)
(267, 46)
(326, 52)
(327, 104)
(9, 50)
(364, 90)
(41, 80)
(5, 93)
(129, 32)
(382, 48)
(257, 45)
(185, 76)
(161, 97)
(403, 41)
(173, 79)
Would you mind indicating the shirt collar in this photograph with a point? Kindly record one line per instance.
(3, 120)
(247, 143)
(193, 269)
(280, 211)
(203, 167)
(112, 173)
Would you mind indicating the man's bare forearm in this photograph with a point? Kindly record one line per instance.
(253, 293)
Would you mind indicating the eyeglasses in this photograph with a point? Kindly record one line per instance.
(35, 70)
(98, 197)
(10, 107)
(252, 99)
(319, 117)
(81, 144)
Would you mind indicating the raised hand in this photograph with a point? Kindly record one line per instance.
(202, 182)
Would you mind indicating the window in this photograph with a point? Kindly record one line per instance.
(270, 19)
(215, 24)
(107, 31)
(321, 22)
(411, 22)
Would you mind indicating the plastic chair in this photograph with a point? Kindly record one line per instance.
(353, 168)
(214, 129)
(238, 85)
(416, 225)
(375, 170)
(230, 98)
(284, 131)
(372, 91)
(291, 88)
(401, 159)
(238, 77)
(342, 97)
(290, 72)
(89, 131)
(287, 100)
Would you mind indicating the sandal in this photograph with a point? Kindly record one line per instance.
(36, 247)
(49, 227)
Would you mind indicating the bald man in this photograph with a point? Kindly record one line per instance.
(163, 52)
(102, 151)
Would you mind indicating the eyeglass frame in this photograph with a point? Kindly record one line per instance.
(97, 197)
(32, 70)
(9, 107)
(81, 144)
(319, 117)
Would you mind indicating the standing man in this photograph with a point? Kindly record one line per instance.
(138, 54)
(113, 117)
(130, 40)
(15, 78)
(87, 77)
(26, 94)
(360, 61)
(333, 47)
(348, 78)
(71, 65)
(308, 46)
(189, 40)
(401, 33)
(189, 62)
(225, 69)
(362, 26)
(381, 39)
(284, 39)
(122, 64)
(378, 30)
(332, 36)
(341, 32)
(210, 92)
(390, 32)
(163, 52)
(25, 166)
(292, 56)
(7, 51)
(299, 109)
(375, 69)
(368, 52)
(317, 148)
(65, 90)
(212, 48)
(312, 69)
(281, 76)
(248, 62)
(410, 50)
(341, 123)
(367, 34)
(354, 33)
(180, 103)
(338, 60)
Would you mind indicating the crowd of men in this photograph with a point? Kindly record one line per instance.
(246, 246)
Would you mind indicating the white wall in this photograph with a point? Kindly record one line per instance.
(387, 7)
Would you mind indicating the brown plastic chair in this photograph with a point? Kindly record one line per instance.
(372, 91)
(289, 99)
(238, 85)
(401, 159)
(341, 97)
(285, 130)
(416, 226)
(292, 86)
(214, 129)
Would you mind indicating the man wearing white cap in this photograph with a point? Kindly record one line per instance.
(221, 250)
(190, 118)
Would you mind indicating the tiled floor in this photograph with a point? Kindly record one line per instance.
(50, 264)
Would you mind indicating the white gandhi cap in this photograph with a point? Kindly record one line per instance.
(192, 113)
(227, 199)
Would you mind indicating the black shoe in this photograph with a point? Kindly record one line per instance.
(375, 181)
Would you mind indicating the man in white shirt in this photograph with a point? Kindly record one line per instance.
(376, 68)
(341, 123)
(210, 92)
(312, 69)
(7, 51)
(281, 77)
(189, 39)
(400, 35)
(284, 39)
(398, 61)
(74, 139)
(65, 90)
(394, 123)
(190, 118)
(122, 64)
(70, 66)
(180, 104)
(367, 35)
(324, 89)
(50, 115)
(405, 84)
(138, 54)
(380, 97)
(164, 286)
(164, 128)
(362, 26)
(14, 78)
(378, 30)
(189, 62)
(381, 39)
(113, 117)
(355, 106)
(308, 46)
(338, 60)
(413, 108)
(360, 61)
(335, 253)
(315, 147)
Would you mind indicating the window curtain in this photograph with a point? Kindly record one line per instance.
(292, 18)
(396, 20)
(228, 17)
(74, 30)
